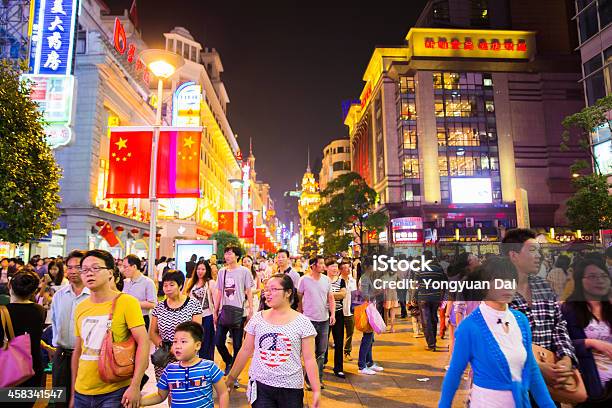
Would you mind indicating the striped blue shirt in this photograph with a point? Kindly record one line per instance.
(191, 386)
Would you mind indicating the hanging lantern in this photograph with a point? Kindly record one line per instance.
(146, 234)
(100, 223)
(134, 230)
(120, 228)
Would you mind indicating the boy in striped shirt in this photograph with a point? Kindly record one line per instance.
(190, 381)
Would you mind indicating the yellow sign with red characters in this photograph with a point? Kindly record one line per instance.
(455, 43)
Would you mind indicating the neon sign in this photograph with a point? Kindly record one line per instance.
(186, 105)
(52, 30)
(128, 49)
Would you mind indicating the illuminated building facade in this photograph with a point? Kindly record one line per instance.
(309, 201)
(475, 116)
(336, 161)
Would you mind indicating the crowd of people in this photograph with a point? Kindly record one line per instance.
(543, 338)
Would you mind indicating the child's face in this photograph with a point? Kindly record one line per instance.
(184, 347)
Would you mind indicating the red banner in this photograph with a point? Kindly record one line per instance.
(226, 221)
(108, 234)
(178, 164)
(260, 236)
(129, 164)
(245, 224)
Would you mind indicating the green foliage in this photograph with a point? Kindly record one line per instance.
(224, 238)
(590, 208)
(310, 247)
(585, 122)
(29, 175)
(348, 212)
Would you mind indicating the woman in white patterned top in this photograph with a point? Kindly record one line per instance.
(202, 287)
(278, 339)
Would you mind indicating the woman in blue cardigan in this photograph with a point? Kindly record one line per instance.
(496, 341)
(588, 313)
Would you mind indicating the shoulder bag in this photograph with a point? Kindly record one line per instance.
(15, 354)
(230, 316)
(361, 318)
(576, 394)
(117, 360)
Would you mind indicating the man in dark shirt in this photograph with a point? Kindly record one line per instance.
(429, 296)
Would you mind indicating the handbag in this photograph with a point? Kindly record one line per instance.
(375, 319)
(361, 318)
(15, 354)
(117, 360)
(230, 316)
(162, 356)
(576, 394)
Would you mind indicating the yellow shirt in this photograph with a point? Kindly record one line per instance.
(90, 325)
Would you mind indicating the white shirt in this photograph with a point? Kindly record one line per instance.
(160, 270)
(511, 345)
(351, 285)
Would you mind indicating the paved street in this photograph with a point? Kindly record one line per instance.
(404, 360)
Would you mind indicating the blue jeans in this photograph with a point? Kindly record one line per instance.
(321, 342)
(110, 400)
(365, 351)
(207, 351)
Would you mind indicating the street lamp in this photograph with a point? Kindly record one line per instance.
(236, 185)
(163, 64)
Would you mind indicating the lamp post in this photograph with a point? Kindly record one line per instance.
(163, 64)
(236, 185)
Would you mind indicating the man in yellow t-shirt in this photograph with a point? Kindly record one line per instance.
(91, 319)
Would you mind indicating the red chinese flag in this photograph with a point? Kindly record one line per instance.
(245, 224)
(108, 234)
(226, 220)
(178, 164)
(129, 164)
(260, 235)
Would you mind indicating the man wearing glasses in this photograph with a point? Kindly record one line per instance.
(63, 304)
(91, 319)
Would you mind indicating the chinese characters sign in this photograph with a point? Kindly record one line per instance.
(186, 105)
(472, 43)
(52, 36)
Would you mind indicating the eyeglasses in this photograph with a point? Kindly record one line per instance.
(269, 290)
(95, 269)
(601, 276)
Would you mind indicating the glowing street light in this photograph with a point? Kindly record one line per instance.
(236, 185)
(163, 64)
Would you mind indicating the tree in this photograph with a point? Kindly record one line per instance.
(348, 213)
(590, 208)
(29, 175)
(310, 247)
(225, 238)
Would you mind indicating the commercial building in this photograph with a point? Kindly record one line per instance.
(458, 127)
(593, 19)
(336, 161)
(309, 201)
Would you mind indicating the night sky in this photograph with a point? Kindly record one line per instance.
(288, 66)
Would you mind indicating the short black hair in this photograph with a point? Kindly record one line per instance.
(25, 283)
(330, 261)
(134, 260)
(314, 260)
(77, 253)
(496, 267)
(174, 275)
(287, 284)
(191, 327)
(107, 257)
(514, 239)
(283, 250)
(234, 248)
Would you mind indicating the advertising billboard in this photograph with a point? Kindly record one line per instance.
(407, 229)
(471, 191)
(186, 105)
(184, 249)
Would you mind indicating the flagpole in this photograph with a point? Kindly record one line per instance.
(153, 180)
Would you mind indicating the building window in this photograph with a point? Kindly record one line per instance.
(587, 22)
(81, 43)
(608, 70)
(411, 167)
(605, 12)
(594, 79)
(479, 13)
(410, 138)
